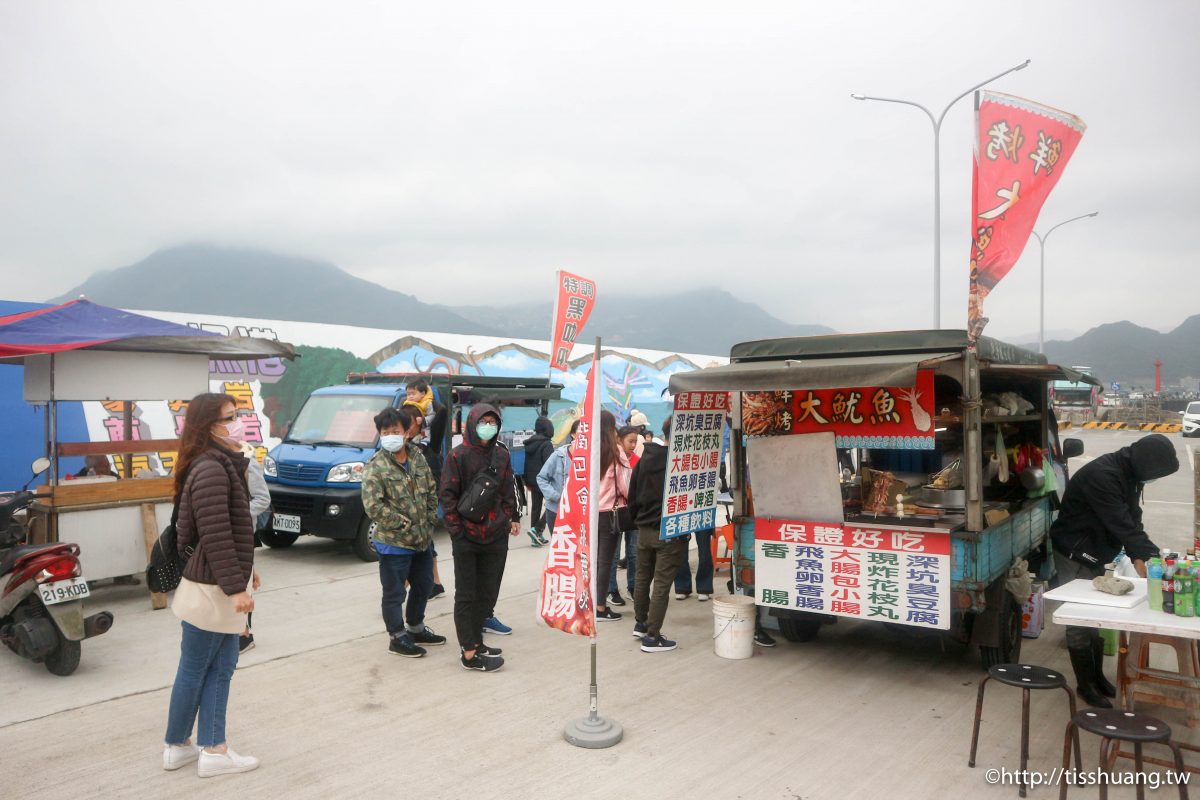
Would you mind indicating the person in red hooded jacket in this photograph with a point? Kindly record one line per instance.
(480, 545)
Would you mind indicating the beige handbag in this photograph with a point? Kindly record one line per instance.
(207, 607)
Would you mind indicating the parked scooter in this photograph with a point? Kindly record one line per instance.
(41, 602)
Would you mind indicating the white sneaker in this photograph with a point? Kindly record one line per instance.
(681, 596)
(703, 598)
(179, 755)
(226, 763)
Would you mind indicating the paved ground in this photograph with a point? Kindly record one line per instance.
(861, 712)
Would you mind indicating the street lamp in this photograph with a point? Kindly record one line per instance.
(1042, 294)
(937, 179)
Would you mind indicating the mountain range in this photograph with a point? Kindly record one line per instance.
(247, 283)
(250, 283)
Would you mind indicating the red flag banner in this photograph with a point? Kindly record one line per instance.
(565, 595)
(572, 306)
(1021, 149)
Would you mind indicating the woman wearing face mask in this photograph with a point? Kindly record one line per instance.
(212, 600)
(614, 494)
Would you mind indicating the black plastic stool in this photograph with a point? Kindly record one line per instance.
(1026, 677)
(1114, 725)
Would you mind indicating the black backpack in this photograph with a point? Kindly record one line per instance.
(480, 495)
(165, 570)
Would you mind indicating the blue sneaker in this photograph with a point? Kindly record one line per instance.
(639, 630)
(657, 644)
(493, 625)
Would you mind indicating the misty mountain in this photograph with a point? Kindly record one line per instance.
(1122, 351)
(699, 321)
(248, 283)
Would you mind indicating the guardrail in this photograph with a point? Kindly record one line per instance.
(1148, 427)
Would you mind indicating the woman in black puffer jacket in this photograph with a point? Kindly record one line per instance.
(212, 600)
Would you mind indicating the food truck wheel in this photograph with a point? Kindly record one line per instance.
(799, 628)
(65, 658)
(276, 539)
(363, 546)
(1009, 651)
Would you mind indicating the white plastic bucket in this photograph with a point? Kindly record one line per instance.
(733, 626)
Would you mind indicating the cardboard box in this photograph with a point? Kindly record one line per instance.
(1033, 613)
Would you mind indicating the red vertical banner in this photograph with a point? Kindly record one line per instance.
(573, 303)
(565, 595)
(1021, 150)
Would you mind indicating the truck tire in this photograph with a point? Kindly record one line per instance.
(799, 628)
(65, 658)
(275, 539)
(362, 545)
(1009, 651)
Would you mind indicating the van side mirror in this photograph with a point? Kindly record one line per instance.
(40, 465)
(1072, 448)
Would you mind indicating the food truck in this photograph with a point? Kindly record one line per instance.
(896, 477)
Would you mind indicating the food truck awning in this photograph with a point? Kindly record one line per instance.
(814, 373)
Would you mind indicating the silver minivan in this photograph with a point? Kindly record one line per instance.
(1191, 419)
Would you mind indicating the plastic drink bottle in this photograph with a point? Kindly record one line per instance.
(1154, 579)
(1168, 587)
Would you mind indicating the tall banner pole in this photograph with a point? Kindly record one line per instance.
(593, 731)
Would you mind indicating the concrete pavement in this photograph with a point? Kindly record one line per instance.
(861, 712)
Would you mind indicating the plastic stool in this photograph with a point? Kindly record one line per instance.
(1115, 725)
(1161, 687)
(723, 533)
(1026, 677)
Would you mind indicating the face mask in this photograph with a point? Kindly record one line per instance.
(487, 431)
(235, 431)
(392, 442)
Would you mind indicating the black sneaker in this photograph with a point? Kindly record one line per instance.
(534, 539)
(427, 637)
(622, 563)
(488, 651)
(639, 630)
(657, 644)
(481, 663)
(403, 646)
(615, 599)
(607, 615)
(438, 590)
(542, 537)
(245, 642)
(763, 639)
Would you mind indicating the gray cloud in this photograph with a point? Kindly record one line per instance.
(649, 146)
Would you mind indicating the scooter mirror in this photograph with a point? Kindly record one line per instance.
(40, 465)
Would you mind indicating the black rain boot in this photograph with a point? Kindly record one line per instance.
(1106, 688)
(1085, 675)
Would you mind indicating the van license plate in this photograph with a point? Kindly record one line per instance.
(286, 523)
(62, 591)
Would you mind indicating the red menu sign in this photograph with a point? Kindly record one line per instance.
(573, 304)
(871, 417)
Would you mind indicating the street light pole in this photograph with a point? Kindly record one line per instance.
(1042, 292)
(937, 178)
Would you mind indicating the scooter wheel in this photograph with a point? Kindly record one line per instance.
(65, 658)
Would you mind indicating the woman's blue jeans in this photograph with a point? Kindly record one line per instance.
(206, 664)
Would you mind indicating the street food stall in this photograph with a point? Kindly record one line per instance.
(904, 477)
(83, 351)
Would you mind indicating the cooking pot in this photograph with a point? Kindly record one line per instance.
(943, 498)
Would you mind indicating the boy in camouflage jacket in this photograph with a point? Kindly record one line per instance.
(400, 497)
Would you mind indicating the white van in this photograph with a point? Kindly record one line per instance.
(1191, 420)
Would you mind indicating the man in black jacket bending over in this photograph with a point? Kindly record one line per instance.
(1101, 513)
(658, 560)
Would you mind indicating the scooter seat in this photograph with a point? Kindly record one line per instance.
(10, 557)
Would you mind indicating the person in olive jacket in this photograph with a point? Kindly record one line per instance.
(399, 496)
(1101, 513)
(215, 532)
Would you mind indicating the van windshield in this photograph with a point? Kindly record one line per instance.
(338, 419)
(1193, 408)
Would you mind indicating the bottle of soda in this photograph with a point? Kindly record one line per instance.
(1185, 604)
(1168, 587)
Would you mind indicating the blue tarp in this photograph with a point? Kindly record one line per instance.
(78, 324)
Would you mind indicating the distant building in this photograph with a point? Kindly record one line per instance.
(1190, 385)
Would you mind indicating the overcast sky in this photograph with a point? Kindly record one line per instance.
(463, 151)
